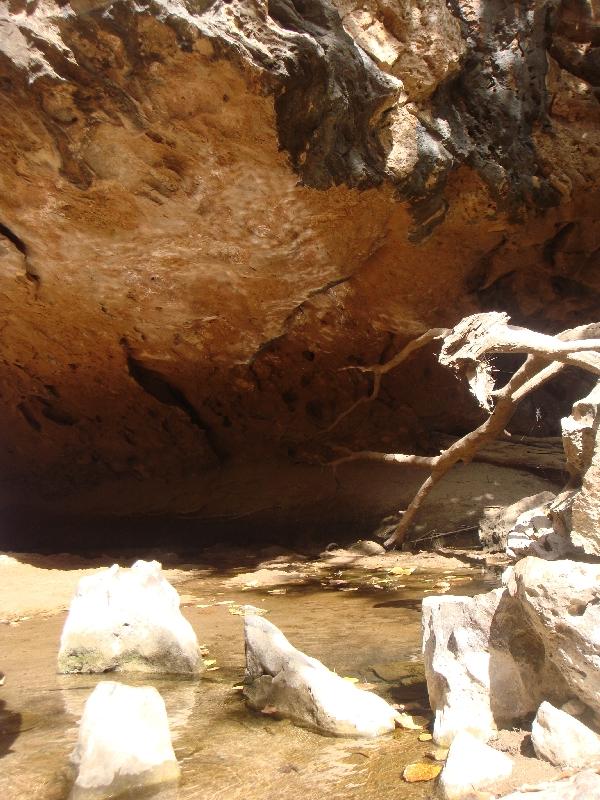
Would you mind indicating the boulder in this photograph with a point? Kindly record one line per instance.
(496, 523)
(584, 785)
(581, 440)
(562, 740)
(128, 620)
(284, 681)
(534, 533)
(472, 765)
(124, 742)
(484, 665)
(369, 547)
(561, 600)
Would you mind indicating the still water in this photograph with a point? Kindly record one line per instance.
(360, 622)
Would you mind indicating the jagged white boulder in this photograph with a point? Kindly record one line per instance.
(472, 765)
(285, 681)
(561, 600)
(483, 664)
(124, 742)
(585, 785)
(128, 620)
(563, 740)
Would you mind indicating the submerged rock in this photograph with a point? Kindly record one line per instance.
(124, 742)
(472, 765)
(562, 740)
(291, 684)
(483, 664)
(128, 620)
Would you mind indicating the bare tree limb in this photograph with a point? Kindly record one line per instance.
(389, 458)
(379, 370)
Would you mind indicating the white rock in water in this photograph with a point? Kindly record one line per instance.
(291, 684)
(562, 740)
(561, 601)
(124, 742)
(585, 785)
(128, 620)
(472, 765)
(483, 664)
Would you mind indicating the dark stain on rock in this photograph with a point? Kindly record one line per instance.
(332, 100)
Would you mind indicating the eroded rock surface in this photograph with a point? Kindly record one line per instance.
(561, 600)
(485, 666)
(124, 742)
(128, 620)
(284, 681)
(207, 210)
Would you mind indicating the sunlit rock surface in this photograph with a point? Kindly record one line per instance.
(472, 765)
(284, 681)
(563, 740)
(485, 666)
(561, 602)
(128, 620)
(124, 742)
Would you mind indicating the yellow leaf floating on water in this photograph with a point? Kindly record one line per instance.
(401, 570)
(421, 771)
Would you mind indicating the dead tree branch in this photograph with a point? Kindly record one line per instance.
(379, 370)
(466, 349)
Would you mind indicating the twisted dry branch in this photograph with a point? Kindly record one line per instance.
(465, 348)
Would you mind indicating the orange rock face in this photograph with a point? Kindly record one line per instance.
(208, 211)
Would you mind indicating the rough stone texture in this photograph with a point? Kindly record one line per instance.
(534, 534)
(128, 620)
(124, 742)
(562, 740)
(485, 666)
(561, 600)
(581, 432)
(584, 784)
(281, 680)
(496, 523)
(207, 209)
(472, 765)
